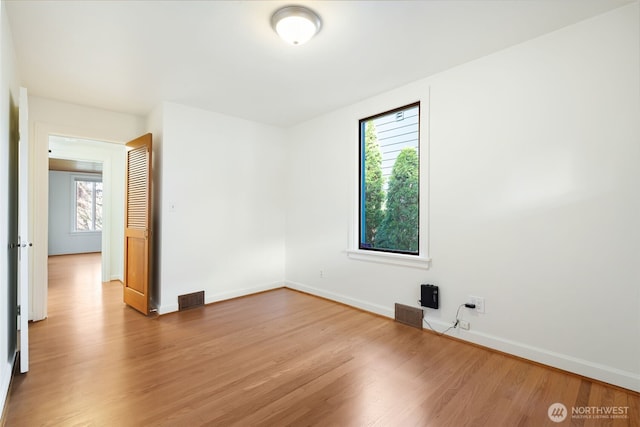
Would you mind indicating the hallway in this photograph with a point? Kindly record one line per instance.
(74, 282)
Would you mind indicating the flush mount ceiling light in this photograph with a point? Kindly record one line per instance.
(296, 24)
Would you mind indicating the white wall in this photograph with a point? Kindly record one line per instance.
(222, 205)
(48, 117)
(62, 238)
(155, 122)
(9, 83)
(533, 200)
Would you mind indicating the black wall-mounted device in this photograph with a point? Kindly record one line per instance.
(429, 296)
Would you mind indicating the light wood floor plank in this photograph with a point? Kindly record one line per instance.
(271, 359)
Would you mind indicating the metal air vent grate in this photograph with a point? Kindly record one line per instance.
(187, 301)
(408, 315)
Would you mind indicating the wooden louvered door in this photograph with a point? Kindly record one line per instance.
(137, 228)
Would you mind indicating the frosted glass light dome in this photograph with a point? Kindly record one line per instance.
(296, 24)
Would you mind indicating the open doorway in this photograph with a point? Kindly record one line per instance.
(76, 206)
(97, 170)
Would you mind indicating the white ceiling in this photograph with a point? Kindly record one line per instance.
(223, 56)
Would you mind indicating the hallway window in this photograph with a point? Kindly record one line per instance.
(88, 205)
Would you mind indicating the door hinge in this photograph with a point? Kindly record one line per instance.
(19, 307)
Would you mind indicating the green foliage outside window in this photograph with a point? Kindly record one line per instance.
(374, 182)
(390, 181)
(399, 229)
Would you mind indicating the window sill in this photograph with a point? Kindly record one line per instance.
(389, 258)
(85, 233)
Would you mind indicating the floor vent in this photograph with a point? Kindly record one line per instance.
(408, 315)
(188, 301)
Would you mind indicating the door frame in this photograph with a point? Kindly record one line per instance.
(39, 184)
(24, 229)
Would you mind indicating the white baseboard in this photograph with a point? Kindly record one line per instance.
(221, 296)
(608, 374)
(364, 305)
(5, 381)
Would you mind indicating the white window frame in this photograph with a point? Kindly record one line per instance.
(74, 204)
(422, 260)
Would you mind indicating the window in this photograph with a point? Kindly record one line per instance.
(389, 185)
(88, 205)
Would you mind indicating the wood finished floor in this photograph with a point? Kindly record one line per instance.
(272, 359)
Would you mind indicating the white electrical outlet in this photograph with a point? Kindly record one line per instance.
(464, 324)
(478, 301)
